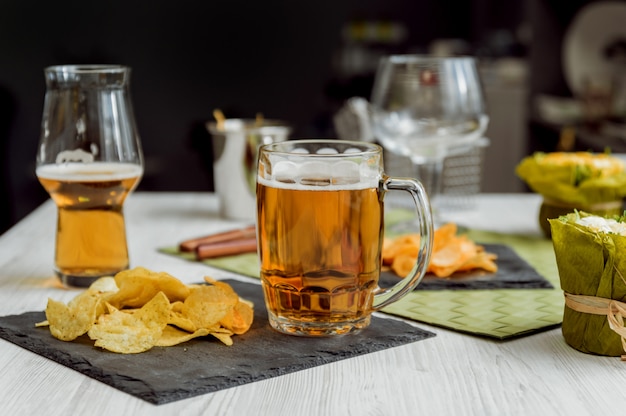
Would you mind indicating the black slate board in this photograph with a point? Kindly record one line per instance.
(513, 273)
(163, 375)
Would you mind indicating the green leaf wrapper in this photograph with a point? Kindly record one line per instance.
(589, 264)
(573, 184)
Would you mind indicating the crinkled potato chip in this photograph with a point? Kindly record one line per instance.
(451, 253)
(139, 309)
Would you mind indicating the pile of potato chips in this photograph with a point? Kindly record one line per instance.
(139, 309)
(451, 253)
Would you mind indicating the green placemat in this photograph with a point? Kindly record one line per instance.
(501, 313)
(245, 264)
(494, 313)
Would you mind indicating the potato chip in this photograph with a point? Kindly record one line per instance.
(403, 264)
(177, 306)
(481, 260)
(228, 290)
(443, 235)
(137, 286)
(207, 305)
(104, 285)
(181, 321)
(68, 322)
(451, 253)
(173, 336)
(396, 247)
(239, 319)
(132, 333)
(139, 309)
(225, 337)
(451, 257)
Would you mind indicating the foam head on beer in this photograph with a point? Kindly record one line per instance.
(294, 170)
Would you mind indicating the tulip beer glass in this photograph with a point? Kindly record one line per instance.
(89, 160)
(320, 231)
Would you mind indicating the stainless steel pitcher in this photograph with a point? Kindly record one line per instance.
(235, 151)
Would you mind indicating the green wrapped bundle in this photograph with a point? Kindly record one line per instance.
(590, 182)
(593, 278)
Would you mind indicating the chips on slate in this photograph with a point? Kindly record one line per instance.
(451, 253)
(140, 309)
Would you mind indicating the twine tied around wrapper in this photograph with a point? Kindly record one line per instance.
(614, 310)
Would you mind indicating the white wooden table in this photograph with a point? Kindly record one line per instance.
(450, 374)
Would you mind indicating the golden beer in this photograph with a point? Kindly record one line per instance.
(91, 235)
(320, 252)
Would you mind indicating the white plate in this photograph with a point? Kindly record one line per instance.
(594, 28)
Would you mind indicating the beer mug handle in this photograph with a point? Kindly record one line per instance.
(387, 296)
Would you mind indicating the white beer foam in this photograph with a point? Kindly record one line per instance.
(96, 171)
(346, 169)
(321, 175)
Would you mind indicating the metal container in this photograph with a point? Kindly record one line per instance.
(235, 152)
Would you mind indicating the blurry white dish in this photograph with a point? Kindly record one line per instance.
(596, 27)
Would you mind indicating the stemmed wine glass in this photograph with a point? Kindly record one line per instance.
(427, 108)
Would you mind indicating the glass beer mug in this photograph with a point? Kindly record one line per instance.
(320, 231)
(89, 160)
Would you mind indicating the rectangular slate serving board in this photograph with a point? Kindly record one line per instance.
(513, 273)
(163, 375)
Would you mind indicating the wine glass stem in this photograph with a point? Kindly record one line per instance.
(430, 174)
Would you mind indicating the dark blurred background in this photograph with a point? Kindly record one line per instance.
(296, 61)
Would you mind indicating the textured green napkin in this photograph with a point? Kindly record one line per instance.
(500, 313)
(246, 264)
(495, 313)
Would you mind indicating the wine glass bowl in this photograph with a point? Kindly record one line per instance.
(427, 108)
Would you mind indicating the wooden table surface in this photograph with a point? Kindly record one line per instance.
(450, 374)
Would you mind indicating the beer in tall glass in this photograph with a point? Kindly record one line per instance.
(89, 160)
